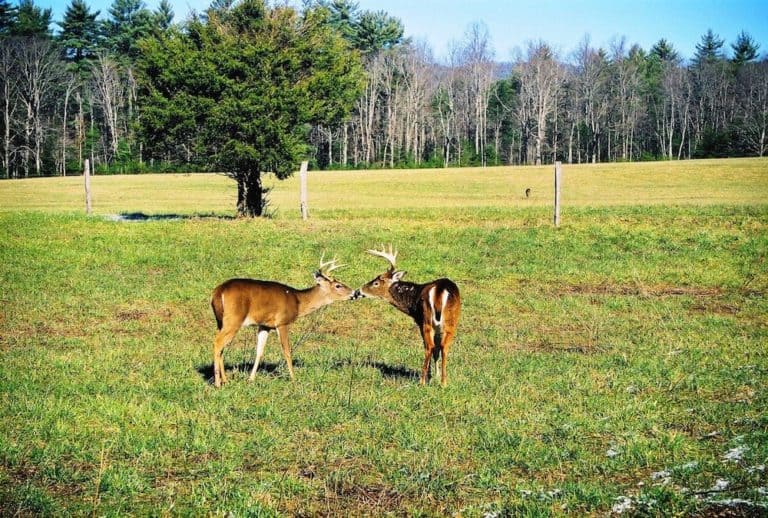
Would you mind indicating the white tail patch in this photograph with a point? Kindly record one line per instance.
(437, 315)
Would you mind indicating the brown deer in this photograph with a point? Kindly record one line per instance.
(434, 306)
(269, 305)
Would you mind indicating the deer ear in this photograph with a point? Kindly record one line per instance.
(398, 275)
(319, 277)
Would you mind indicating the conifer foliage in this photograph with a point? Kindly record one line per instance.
(243, 87)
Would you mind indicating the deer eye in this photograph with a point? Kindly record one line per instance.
(375, 284)
(338, 286)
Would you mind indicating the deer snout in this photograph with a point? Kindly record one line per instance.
(358, 294)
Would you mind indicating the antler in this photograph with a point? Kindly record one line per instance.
(390, 255)
(326, 267)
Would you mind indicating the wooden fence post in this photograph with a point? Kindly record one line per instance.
(303, 190)
(87, 176)
(558, 181)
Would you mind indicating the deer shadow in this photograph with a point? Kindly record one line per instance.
(276, 370)
(396, 371)
(387, 371)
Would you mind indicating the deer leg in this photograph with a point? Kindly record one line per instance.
(428, 334)
(261, 341)
(282, 332)
(446, 340)
(435, 356)
(222, 339)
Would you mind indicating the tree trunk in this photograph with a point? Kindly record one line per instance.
(67, 93)
(250, 199)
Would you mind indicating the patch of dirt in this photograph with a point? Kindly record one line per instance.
(372, 497)
(564, 339)
(141, 315)
(637, 290)
(716, 307)
(131, 314)
(44, 333)
(738, 510)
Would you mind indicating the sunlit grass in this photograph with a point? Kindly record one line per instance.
(692, 182)
(619, 356)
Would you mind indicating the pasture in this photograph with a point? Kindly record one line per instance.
(616, 364)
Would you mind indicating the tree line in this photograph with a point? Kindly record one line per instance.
(247, 88)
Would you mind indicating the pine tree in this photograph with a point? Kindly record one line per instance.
(377, 31)
(164, 14)
(665, 51)
(744, 50)
(709, 50)
(32, 20)
(367, 31)
(79, 32)
(7, 17)
(129, 21)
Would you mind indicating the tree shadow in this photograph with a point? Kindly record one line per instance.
(276, 370)
(138, 217)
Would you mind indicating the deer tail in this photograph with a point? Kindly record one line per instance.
(217, 304)
(437, 301)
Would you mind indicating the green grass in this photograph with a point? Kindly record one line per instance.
(590, 358)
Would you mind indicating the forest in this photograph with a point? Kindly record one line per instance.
(343, 87)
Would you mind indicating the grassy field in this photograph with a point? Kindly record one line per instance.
(694, 182)
(616, 364)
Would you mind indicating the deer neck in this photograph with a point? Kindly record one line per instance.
(311, 299)
(406, 297)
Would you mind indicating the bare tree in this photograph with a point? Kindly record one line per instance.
(418, 87)
(480, 72)
(677, 93)
(626, 94)
(40, 72)
(71, 83)
(593, 90)
(367, 108)
(8, 95)
(447, 106)
(109, 96)
(541, 78)
(753, 97)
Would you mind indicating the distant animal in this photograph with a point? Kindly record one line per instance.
(269, 305)
(434, 306)
(527, 192)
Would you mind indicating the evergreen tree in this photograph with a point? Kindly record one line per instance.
(164, 14)
(79, 32)
(377, 31)
(242, 87)
(8, 15)
(709, 50)
(129, 21)
(32, 20)
(744, 49)
(367, 31)
(343, 16)
(664, 51)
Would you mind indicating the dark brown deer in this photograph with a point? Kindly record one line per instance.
(269, 305)
(434, 306)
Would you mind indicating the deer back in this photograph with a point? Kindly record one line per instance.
(243, 302)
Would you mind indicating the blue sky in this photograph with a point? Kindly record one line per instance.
(561, 23)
